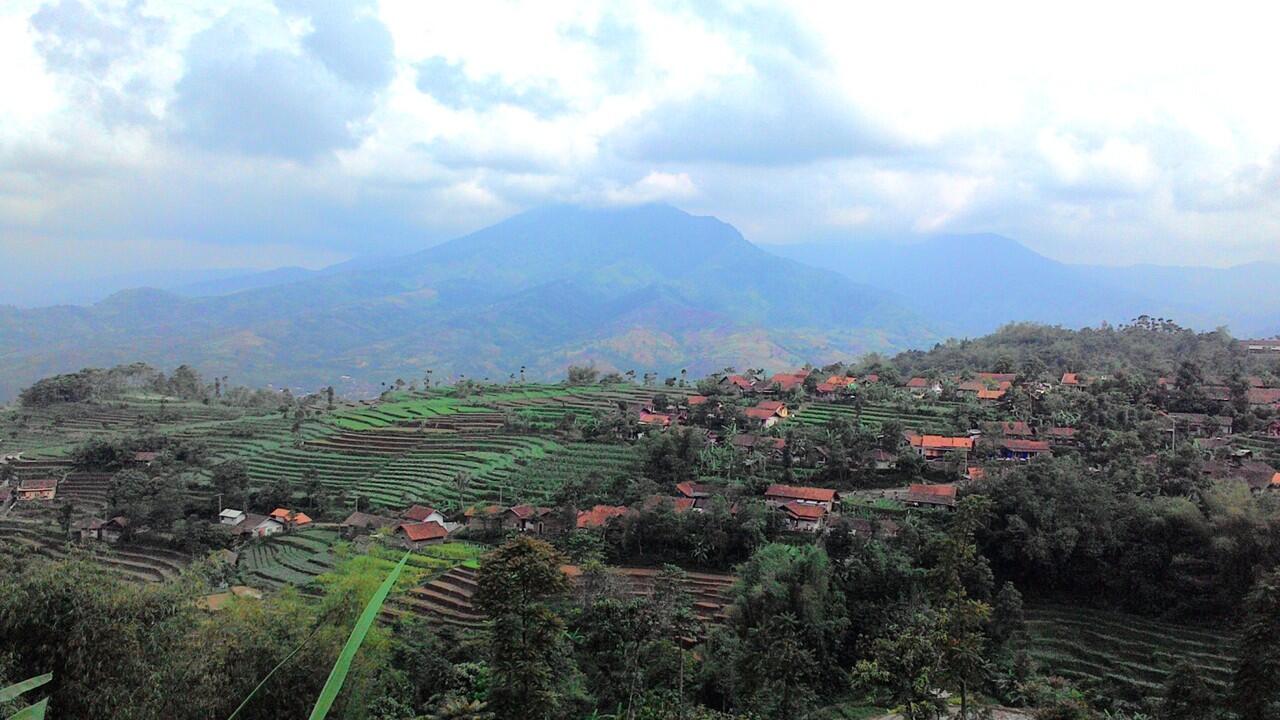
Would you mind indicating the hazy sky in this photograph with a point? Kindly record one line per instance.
(138, 135)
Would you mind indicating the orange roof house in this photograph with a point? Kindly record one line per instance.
(931, 495)
(999, 378)
(657, 419)
(422, 533)
(1020, 449)
(787, 382)
(600, 515)
(693, 490)
(936, 447)
(782, 494)
(804, 517)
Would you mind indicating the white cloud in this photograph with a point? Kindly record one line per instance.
(1144, 131)
(654, 187)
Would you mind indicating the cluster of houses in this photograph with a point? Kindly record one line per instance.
(251, 525)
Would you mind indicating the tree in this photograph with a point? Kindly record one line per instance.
(231, 480)
(527, 654)
(1256, 685)
(782, 581)
(582, 374)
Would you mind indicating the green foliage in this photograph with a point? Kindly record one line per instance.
(342, 666)
(1256, 687)
(527, 659)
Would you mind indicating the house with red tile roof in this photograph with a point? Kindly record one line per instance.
(483, 518)
(937, 447)
(992, 394)
(786, 382)
(1071, 379)
(997, 378)
(526, 518)
(741, 383)
(1065, 436)
(677, 504)
(600, 515)
(290, 518)
(422, 513)
(921, 386)
(1014, 428)
(695, 400)
(803, 517)
(1262, 396)
(920, 495)
(1019, 449)
(694, 490)
(37, 489)
(418, 534)
(655, 419)
(778, 494)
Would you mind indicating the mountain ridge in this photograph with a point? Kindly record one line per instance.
(541, 289)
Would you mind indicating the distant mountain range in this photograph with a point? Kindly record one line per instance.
(972, 284)
(649, 288)
(646, 288)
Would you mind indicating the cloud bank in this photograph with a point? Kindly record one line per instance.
(162, 134)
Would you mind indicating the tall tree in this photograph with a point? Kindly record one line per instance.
(1256, 687)
(527, 655)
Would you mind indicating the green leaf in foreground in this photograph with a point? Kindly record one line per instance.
(343, 665)
(13, 691)
(32, 712)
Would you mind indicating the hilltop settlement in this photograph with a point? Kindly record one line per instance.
(928, 533)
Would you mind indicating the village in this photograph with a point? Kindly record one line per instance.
(641, 489)
(765, 423)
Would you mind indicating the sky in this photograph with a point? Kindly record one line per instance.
(146, 136)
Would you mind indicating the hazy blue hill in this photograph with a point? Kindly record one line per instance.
(649, 287)
(1243, 297)
(246, 281)
(973, 284)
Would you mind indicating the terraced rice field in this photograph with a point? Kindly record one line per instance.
(933, 418)
(292, 559)
(52, 432)
(1266, 449)
(447, 599)
(1134, 652)
(134, 563)
(86, 491)
(298, 558)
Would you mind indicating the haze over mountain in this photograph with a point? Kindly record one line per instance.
(646, 287)
(973, 284)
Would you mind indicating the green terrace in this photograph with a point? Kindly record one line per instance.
(1136, 653)
(937, 417)
(301, 557)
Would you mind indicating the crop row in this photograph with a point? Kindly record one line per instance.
(1089, 644)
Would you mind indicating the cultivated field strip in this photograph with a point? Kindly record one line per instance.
(131, 562)
(1088, 644)
(936, 418)
(448, 599)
